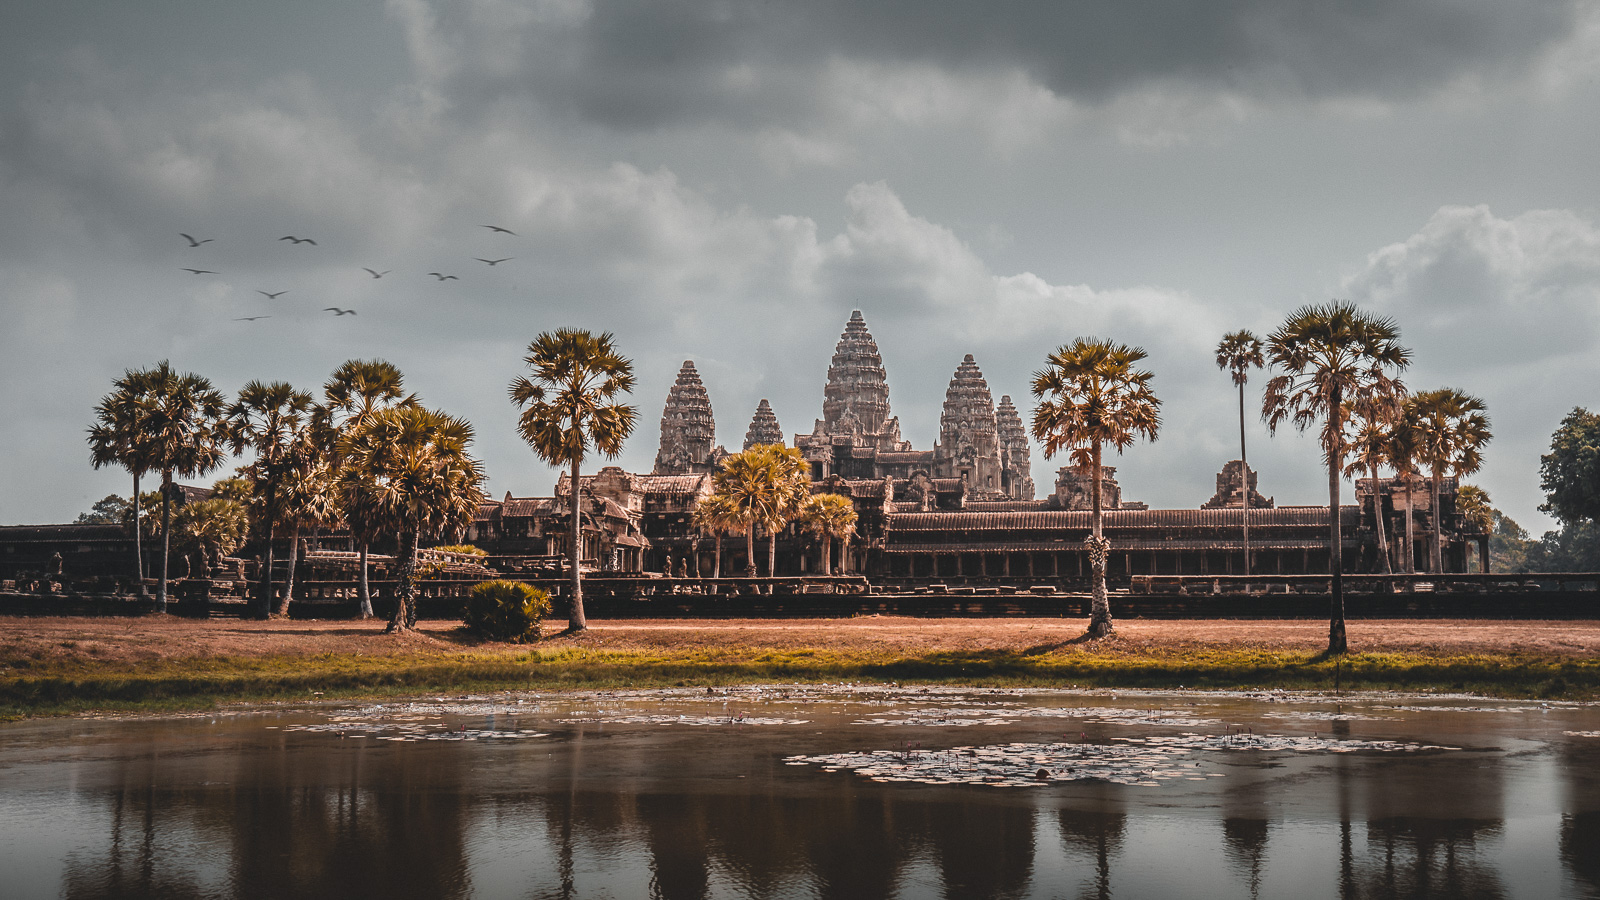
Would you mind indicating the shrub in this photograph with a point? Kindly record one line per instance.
(507, 610)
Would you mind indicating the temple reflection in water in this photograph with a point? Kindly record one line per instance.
(197, 809)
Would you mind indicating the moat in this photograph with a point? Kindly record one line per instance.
(808, 791)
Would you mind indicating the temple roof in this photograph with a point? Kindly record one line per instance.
(688, 429)
(856, 398)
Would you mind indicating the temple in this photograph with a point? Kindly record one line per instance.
(963, 511)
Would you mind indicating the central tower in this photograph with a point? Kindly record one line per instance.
(855, 408)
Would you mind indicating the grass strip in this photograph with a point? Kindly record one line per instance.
(201, 683)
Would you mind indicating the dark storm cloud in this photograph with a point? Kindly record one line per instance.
(645, 63)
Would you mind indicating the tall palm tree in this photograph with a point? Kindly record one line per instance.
(717, 515)
(1091, 394)
(749, 483)
(268, 419)
(1403, 454)
(829, 516)
(117, 438)
(791, 476)
(353, 393)
(1473, 503)
(569, 403)
(1238, 353)
(307, 499)
(1329, 354)
(407, 471)
(1452, 431)
(1374, 420)
(182, 430)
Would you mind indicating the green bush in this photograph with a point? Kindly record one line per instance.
(507, 610)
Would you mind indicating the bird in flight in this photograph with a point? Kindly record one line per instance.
(201, 271)
(444, 277)
(272, 296)
(250, 318)
(492, 261)
(298, 240)
(375, 273)
(192, 241)
(339, 312)
(499, 229)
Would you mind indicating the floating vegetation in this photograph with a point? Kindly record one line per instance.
(1010, 765)
(1110, 715)
(1581, 733)
(400, 730)
(1142, 761)
(938, 720)
(1325, 716)
(1278, 742)
(659, 719)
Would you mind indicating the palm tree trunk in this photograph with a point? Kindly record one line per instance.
(772, 554)
(575, 619)
(166, 539)
(716, 558)
(405, 590)
(288, 581)
(264, 606)
(1099, 605)
(1244, 462)
(365, 589)
(1411, 539)
(1338, 644)
(1436, 551)
(750, 551)
(827, 553)
(1377, 518)
(138, 543)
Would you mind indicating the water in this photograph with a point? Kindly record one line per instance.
(812, 792)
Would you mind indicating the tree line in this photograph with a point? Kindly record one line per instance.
(369, 457)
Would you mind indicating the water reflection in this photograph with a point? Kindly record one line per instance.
(236, 809)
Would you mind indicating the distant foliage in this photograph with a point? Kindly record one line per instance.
(105, 512)
(507, 611)
(1570, 472)
(465, 549)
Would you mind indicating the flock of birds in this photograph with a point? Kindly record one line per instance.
(195, 242)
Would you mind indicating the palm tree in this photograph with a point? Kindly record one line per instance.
(1329, 354)
(749, 483)
(181, 430)
(716, 515)
(407, 471)
(570, 402)
(791, 476)
(1452, 431)
(117, 438)
(830, 516)
(1239, 352)
(1473, 504)
(307, 499)
(268, 419)
(1402, 454)
(1092, 395)
(215, 526)
(356, 390)
(1375, 420)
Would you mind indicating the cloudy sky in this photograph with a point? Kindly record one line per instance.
(726, 181)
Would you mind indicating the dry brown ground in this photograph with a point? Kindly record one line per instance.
(119, 642)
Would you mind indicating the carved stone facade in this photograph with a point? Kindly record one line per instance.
(688, 430)
(1230, 490)
(1074, 486)
(1016, 457)
(969, 439)
(855, 424)
(764, 428)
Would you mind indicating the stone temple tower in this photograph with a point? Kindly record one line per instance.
(969, 439)
(764, 428)
(688, 431)
(855, 406)
(1016, 456)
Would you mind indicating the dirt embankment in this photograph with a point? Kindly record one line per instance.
(62, 644)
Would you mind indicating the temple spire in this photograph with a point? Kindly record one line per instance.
(688, 429)
(764, 428)
(856, 399)
(1016, 455)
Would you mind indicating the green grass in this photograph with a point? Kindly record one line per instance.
(200, 683)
